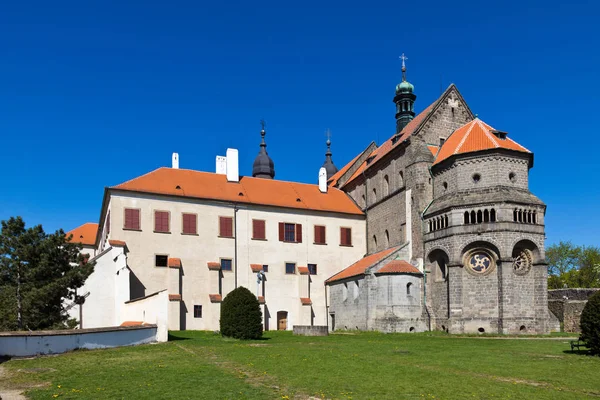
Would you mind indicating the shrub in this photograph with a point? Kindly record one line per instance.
(241, 317)
(590, 323)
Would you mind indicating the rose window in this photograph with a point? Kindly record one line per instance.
(522, 262)
(480, 262)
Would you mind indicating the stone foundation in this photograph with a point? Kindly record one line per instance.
(307, 330)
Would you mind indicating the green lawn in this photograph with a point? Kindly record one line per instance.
(342, 366)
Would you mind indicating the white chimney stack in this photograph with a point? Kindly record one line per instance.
(221, 168)
(175, 163)
(323, 180)
(233, 172)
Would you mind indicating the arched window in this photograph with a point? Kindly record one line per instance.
(515, 215)
(401, 179)
(466, 217)
(520, 215)
(529, 217)
(479, 216)
(534, 215)
(493, 215)
(374, 242)
(386, 185)
(374, 195)
(408, 286)
(445, 221)
(387, 239)
(430, 230)
(364, 200)
(473, 217)
(438, 223)
(486, 215)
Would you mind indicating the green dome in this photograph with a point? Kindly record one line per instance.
(404, 87)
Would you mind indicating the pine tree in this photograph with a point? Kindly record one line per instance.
(38, 271)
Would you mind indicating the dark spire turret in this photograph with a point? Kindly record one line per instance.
(263, 165)
(404, 99)
(330, 168)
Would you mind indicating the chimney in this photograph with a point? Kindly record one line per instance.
(221, 167)
(323, 180)
(175, 161)
(233, 172)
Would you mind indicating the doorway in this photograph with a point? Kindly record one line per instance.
(282, 320)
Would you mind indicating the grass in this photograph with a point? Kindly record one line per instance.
(202, 365)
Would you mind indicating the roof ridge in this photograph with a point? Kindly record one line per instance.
(137, 177)
(488, 133)
(465, 137)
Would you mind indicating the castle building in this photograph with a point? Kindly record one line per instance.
(433, 229)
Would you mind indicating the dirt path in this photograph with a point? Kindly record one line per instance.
(5, 392)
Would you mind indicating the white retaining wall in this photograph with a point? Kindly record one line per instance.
(152, 309)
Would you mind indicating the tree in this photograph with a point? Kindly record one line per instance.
(241, 317)
(590, 323)
(573, 266)
(38, 271)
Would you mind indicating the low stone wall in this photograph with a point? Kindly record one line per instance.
(307, 330)
(24, 344)
(571, 294)
(567, 305)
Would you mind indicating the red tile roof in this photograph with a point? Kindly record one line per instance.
(256, 267)
(215, 298)
(174, 263)
(433, 149)
(335, 177)
(306, 301)
(359, 267)
(174, 297)
(117, 243)
(303, 270)
(475, 136)
(249, 190)
(213, 266)
(132, 323)
(84, 234)
(261, 299)
(399, 267)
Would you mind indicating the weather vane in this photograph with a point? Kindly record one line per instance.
(403, 58)
(263, 123)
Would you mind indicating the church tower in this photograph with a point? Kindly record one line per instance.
(330, 168)
(404, 99)
(263, 165)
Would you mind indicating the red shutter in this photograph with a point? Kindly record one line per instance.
(281, 231)
(342, 236)
(258, 229)
(189, 224)
(225, 226)
(317, 234)
(132, 218)
(193, 224)
(349, 236)
(136, 219)
(157, 222)
(298, 233)
(323, 235)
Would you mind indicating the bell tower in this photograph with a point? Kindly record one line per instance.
(404, 99)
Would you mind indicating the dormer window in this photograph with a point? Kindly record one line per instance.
(499, 134)
(395, 138)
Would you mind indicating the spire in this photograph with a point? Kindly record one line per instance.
(328, 164)
(263, 165)
(404, 99)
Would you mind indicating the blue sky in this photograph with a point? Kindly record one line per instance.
(95, 93)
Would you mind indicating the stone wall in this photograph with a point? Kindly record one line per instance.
(307, 330)
(572, 293)
(567, 305)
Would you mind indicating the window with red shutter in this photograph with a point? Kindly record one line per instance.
(161, 221)
(290, 232)
(226, 227)
(320, 234)
(345, 236)
(132, 219)
(189, 224)
(258, 229)
(281, 231)
(298, 233)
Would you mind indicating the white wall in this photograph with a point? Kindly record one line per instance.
(151, 310)
(282, 291)
(22, 345)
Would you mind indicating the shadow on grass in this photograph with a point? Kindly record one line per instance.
(578, 352)
(173, 338)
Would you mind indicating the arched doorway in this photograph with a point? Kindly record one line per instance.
(282, 320)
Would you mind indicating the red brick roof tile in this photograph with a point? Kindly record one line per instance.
(174, 263)
(132, 323)
(214, 266)
(84, 234)
(117, 243)
(215, 298)
(261, 299)
(206, 185)
(303, 270)
(306, 301)
(399, 267)
(175, 297)
(472, 137)
(256, 267)
(359, 267)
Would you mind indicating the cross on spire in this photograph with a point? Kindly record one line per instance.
(262, 124)
(328, 134)
(403, 58)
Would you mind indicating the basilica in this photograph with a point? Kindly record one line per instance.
(433, 229)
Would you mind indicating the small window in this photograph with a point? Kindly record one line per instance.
(320, 234)
(161, 260)
(345, 236)
(445, 185)
(132, 219)
(197, 311)
(190, 224)
(512, 177)
(408, 286)
(258, 229)
(226, 264)
(265, 268)
(476, 178)
(161, 221)
(374, 195)
(290, 233)
(312, 269)
(290, 268)
(226, 227)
